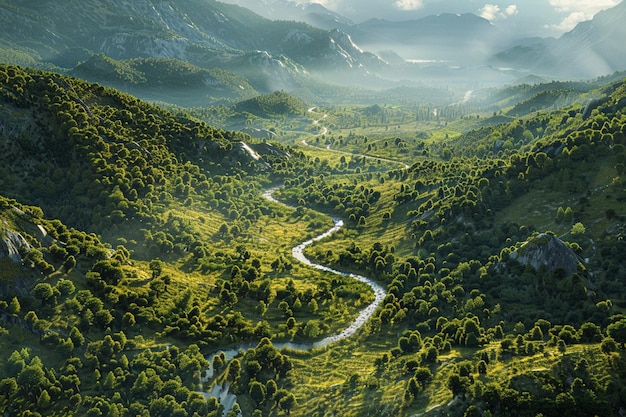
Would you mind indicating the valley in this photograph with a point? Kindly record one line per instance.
(208, 213)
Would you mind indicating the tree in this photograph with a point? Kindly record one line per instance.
(287, 403)
(234, 369)
(608, 345)
(32, 379)
(423, 376)
(43, 292)
(43, 402)
(458, 384)
(482, 367)
(472, 411)
(14, 306)
(578, 229)
(271, 388)
(128, 319)
(110, 271)
(590, 332)
(413, 387)
(156, 266)
(257, 392)
(617, 331)
(65, 287)
(77, 337)
(69, 263)
(568, 215)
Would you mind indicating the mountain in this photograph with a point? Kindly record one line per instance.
(314, 14)
(459, 38)
(591, 49)
(205, 33)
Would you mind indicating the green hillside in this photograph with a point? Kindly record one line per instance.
(167, 80)
(277, 104)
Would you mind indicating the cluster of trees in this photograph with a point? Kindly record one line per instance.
(256, 375)
(277, 104)
(108, 381)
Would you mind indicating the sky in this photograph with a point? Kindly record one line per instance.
(524, 17)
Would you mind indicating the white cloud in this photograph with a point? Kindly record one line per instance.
(570, 21)
(582, 6)
(409, 4)
(511, 10)
(578, 11)
(493, 12)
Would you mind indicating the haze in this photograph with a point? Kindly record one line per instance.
(521, 19)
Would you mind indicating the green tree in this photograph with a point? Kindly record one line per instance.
(458, 384)
(578, 229)
(271, 388)
(287, 403)
(568, 215)
(110, 271)
(65, 287)
(234, 369)
(617, 331)
(32, 380)
(156, 266)
(43, 292)
(77, 337)
(423, 376)
(472, 411)
(257, 392)
(413, 387)
(109, 381)
(128, 319)
(69, 263)
(43, 402)
(560, 215)
(482, 367)
(14, 306)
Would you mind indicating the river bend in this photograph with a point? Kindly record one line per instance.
(221, 392)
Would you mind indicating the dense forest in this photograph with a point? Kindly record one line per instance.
(142, 269)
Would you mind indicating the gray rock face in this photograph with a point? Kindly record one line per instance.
(549, 251)
(10, 245)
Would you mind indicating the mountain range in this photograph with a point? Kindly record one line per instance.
(224, 51)
(591, 49)
(208, 34)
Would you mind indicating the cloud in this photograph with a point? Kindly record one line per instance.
(409, 4)
(578, 11)
(511, 10)
(492, 12)
(582, 6)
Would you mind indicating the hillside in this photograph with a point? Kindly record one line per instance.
(165, 80)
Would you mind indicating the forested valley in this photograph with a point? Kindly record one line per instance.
(137, 248)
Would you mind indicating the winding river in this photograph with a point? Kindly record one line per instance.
(221, 392)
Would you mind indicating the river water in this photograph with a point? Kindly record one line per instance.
(221, 391)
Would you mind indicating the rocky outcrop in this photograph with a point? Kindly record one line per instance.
(12, 244)
(548, 251)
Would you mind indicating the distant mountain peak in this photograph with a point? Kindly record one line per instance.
(593, 48)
